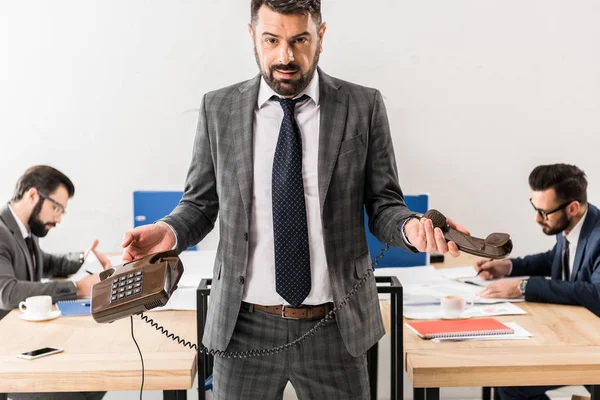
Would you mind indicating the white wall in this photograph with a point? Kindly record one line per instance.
(478, 93)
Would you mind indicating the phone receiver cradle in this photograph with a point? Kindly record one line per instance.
(135, 287)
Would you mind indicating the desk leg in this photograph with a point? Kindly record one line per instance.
(426, 393)
(372, 358)
(397, 367)
(595, 392)
(174, 395)
(3, 396)
(486, 393)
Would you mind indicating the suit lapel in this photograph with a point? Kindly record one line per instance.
(334, 108)
(586, 230)
(242, 123)
(7, 216)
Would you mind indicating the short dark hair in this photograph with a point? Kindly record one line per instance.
(43, 178)
(312, 7)
(568, 181)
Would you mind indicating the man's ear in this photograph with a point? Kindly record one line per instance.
(32, 195)
(574, 208)
(322, 35)
(251, 32)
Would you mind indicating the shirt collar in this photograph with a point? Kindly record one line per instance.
(22, 227)
(312, 90)
(576, 231)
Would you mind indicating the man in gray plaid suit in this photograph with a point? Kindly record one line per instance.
(243, 172)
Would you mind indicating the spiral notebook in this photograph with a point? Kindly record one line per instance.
(74, 307)
(459, 327)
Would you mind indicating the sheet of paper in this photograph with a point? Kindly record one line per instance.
(484, 310)
(90, 266)
(466, 275)
(519, 333)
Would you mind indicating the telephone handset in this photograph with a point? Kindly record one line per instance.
(136, 287)
(496, 245)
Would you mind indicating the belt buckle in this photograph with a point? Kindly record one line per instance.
(283, 313)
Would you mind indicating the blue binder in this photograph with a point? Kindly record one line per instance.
(70, 308)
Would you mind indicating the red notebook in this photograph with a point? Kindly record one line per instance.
(459, 327)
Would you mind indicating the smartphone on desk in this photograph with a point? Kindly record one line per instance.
(46, 351)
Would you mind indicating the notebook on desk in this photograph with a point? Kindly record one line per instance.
(74, 307)
(458, 327)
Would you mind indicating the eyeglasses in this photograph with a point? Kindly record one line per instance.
(59, 209)
(544, 214)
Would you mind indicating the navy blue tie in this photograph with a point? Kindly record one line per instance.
(565, 259)
(292, 253)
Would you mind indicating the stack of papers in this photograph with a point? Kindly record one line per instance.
(482, 310)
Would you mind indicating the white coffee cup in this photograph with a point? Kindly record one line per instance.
(454, 306)
(37, 306)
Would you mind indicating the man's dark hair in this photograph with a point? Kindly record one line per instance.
(568, 181)
(45, 179)
(312, 7)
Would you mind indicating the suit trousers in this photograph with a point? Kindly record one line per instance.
(320, 367)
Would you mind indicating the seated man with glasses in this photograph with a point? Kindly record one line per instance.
(38, 205)
(567, 274)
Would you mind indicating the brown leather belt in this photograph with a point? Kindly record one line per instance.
(304, 312)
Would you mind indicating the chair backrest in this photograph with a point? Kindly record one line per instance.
(150, 206)
(396, 257)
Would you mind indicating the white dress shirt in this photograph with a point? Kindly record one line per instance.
(573, 238)
(260, 277)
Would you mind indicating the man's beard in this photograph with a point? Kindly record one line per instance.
(36, 226)
(561, 225)
(288, 87)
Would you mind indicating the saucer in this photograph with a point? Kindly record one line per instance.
(462, 316)
(37, 318)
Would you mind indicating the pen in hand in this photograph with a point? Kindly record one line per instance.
(481, 270)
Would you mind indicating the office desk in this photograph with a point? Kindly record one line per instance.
(98, 357)
(565, 350)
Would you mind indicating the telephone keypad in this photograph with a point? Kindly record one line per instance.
(127, 285)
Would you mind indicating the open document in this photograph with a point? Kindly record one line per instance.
(465, 274)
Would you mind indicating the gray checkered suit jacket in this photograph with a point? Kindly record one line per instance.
(356, 168)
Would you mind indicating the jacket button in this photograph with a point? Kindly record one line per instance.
(241, 280)
(246, 236)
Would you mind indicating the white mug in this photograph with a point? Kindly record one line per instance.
(454, 306)
(36, 305)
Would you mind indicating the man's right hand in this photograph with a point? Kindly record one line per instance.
(147, 239)
(492, 269)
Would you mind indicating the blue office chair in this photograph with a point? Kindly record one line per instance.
(396, 257)
(150, 206)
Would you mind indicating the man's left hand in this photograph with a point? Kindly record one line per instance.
(422, 235)
(101, 257)
(507, 288)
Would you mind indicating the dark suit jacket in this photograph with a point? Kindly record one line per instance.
(356, 168)
(583, 287)
(16, 269)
